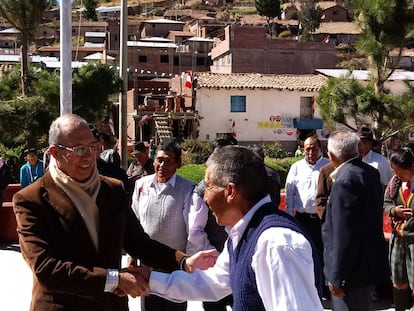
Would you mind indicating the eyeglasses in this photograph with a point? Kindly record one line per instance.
(80, 150)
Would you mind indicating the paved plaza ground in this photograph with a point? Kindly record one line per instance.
(16, 284)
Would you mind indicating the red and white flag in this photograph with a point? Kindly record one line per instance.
(189, 80)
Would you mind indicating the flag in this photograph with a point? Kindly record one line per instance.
(326, 39)
(189, 80)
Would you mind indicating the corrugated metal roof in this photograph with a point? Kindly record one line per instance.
(307, 82)
(95, 34)
(162, 21)
(364, 74)
(152, 44)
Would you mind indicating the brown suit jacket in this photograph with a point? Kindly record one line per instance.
(323, 188)
(68, 273)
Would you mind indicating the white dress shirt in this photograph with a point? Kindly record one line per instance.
(301, 186)
(282, 262)
(381, 164)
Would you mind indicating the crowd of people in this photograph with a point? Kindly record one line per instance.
(223, 241)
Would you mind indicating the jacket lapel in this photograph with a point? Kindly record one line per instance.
(64, 206)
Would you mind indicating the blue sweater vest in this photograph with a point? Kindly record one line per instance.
(242, 277)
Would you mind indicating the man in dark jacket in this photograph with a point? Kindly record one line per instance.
(354, 252)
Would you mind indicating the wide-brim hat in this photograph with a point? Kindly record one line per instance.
(366, 133)
(139, 147)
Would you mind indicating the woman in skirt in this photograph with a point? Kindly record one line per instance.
(399, 205)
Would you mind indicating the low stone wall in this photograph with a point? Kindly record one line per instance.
(8, 232)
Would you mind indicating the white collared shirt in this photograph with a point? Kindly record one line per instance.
(381, 164)
(301, 186)
(282, 262)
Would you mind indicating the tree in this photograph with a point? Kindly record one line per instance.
(309, 18)
(270, 9)
(92, 86)
(24, 121)
(386, 26)
(26, 16)
(90, 9)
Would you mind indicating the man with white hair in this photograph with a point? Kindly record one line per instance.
(354, 245)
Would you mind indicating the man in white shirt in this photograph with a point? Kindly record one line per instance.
(373, 158)
(301, 187)
(267, 262)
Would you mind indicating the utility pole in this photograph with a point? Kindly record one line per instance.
(65, 57)
(124, 76)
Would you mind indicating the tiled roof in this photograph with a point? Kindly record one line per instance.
(286, 82)
(338, 28)
(327, 4)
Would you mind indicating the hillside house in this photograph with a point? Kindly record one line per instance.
(159, 27)
(258, 108)
(247, 49)
(333, 12)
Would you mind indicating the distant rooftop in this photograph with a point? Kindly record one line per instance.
(309, 83)
(364, 74)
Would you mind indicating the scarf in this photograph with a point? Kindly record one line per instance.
(83, 196)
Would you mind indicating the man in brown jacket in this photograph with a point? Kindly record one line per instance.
(73, 225)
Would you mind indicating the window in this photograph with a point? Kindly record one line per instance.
(164, 59)
(142, 58)
(200, 61)
(306, 107)
(238, 104)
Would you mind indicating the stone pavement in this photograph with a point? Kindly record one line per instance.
(16, 284)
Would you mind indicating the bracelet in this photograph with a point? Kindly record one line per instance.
(182, 262)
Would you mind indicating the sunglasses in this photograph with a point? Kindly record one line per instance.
(80, 150)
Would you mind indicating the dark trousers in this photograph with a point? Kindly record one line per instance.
(355, 300)
(218, 305)
(312, 224)
(156, 303)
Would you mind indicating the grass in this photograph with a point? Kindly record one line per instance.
(195, 172)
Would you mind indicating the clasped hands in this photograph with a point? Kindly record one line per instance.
(134, 280)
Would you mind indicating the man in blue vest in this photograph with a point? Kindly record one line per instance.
(268, 262)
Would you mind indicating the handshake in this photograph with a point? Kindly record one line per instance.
(134, 280)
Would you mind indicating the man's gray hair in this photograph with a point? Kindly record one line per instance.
(343, 145)
(56, 128)
(241, 166)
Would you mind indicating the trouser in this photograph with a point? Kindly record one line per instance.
(220, 305)
(355, 300)
(312, 224)
(156, 303)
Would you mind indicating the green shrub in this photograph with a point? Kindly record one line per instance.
(274, 150)
(193, 172)
(282, 166)
(196, 152)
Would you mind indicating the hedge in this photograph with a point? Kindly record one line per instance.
(195, 172)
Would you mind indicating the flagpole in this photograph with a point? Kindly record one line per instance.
(65, 57)
(124, 76)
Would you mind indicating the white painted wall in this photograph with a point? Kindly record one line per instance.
(253, 125)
